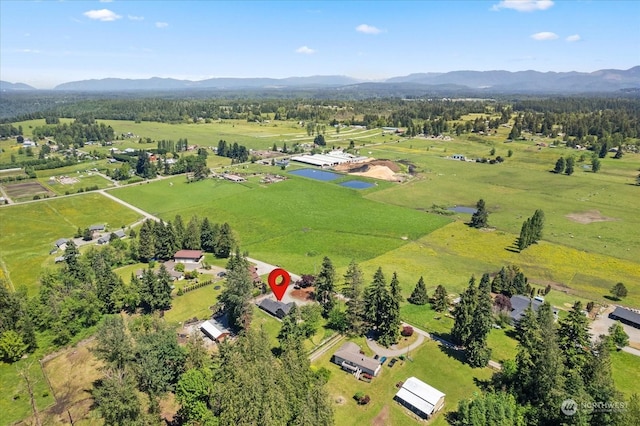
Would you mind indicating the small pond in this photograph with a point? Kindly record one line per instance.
(357, 184)
(316, 174)
(462, 209)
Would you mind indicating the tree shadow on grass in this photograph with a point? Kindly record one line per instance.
(513, 247)
(512, 333)
(452, 352)
(612, 298)
(485, 385)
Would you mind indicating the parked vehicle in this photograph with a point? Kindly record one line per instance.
(382, 360)
(393, 361)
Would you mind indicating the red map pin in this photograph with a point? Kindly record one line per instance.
(279, 287)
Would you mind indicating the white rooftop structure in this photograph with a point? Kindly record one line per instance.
(211, 330)
(332, 158)
(420, 397)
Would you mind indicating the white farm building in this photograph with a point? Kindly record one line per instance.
(420, 398)
(330, 159)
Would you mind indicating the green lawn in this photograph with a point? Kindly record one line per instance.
(626, 372)
(431, 364)
(195, 303)
(28, 231)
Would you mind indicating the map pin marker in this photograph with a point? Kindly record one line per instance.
(279, 288)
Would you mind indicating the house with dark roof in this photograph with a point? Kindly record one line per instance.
(350, 359)
(60, 242)
(107, 237)
(188, 256)
(95, 228)
(275, 308)
(626, 316)
(520, 303)
(419, 397)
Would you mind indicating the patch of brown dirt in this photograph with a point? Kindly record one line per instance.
(589, 217)
(377, 169)
(303, 294)
(382, 419)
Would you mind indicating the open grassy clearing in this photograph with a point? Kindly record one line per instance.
(451, 254)
(29, 230)
(292, 223)
(451, 376)
(626, 372)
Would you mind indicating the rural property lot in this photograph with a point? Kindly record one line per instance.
(25, 190)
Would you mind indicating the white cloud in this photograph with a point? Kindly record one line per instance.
(161, 25)
(573, 38)
(368, 29)
(305, 50)
(135, 18)
(104, 15)
(523, 5)
(544, 36)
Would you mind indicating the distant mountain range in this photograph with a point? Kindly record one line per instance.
(608, 80)
(5, 85)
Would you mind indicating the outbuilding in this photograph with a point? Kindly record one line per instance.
(213, 331)
(626, 316)
(419, 397)
(188, 256)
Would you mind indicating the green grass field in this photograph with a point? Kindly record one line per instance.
(292, 223)
(28, 231)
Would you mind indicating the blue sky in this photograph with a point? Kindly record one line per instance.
(44, 43)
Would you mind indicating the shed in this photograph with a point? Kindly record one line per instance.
(188, 256)
(419, 397)
(213, 331)
(349, 358)
(626, 316)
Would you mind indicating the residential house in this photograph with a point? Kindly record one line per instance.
(107, 237)
(419, 397)
(350, 359)
(275, 308)
(520, 303)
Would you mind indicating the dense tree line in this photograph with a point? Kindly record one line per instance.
(17, 331)
(160, 240)
(75, 134)
(237, 153)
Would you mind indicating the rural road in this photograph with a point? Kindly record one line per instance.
(132, 207)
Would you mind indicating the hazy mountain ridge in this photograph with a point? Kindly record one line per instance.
(5, 85)
(605, 80)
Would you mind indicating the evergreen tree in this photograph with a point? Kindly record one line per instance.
(389, 330)
(595, 165)
(114, 345)
(480, 217)
(354, 284)
(236, 295)
(463, 314)
(146, 244)
(560, 166)
(207, 236)
(574, 338)
(569, 169)
(325, 286)
(117, 399)
(179, 230)
(224, 241)
(375, 297)
(491, 409)
(477, 352)
(419, 293)
(191, 240)
(440, 302)
(524, 240)
(394, 288)
(290, 331)
(162, 289)
(600, 384)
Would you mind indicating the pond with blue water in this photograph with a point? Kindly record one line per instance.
(316, 174)
(357, 184)
(462, 209)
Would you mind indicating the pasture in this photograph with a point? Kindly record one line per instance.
(292, 223)
(28, 231)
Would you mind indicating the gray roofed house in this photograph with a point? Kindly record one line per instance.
(520, 303)
(349, 358)
(626, 316)
(61, 241)
(107, 237)
(275, 308)
(93, 228)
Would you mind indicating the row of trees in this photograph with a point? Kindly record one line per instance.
(439, 301)
(160, 240)
(237, 153)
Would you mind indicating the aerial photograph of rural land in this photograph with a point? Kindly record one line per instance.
(316, 213)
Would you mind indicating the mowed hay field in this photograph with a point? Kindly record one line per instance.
(292, 223)
(28, 231)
